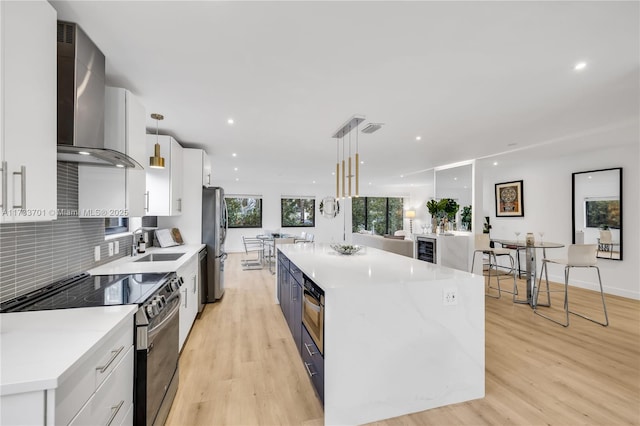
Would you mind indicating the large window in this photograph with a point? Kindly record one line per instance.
(382, 215)
(298, 212)
(244, 212)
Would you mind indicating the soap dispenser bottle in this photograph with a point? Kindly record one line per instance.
(141, 245)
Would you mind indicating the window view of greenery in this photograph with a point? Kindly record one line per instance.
(298, 212)
(603, 214)
(380, 214)
(244, 212)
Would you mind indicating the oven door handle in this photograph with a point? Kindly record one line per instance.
(308, 301)
(155, 330)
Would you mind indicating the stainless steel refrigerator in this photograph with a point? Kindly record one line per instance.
(214, 233)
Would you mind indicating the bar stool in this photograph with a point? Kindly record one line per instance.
(483, 245)
(578, 256)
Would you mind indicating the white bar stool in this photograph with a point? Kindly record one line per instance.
(483, 245)
(578, 256)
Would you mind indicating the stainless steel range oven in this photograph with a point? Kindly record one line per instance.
(157, 322)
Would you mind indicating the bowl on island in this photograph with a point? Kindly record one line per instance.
(346, 248)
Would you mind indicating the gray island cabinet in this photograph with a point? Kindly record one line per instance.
(400, 335)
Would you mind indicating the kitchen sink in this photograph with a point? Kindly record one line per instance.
(160, 257)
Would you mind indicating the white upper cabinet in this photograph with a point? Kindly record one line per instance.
(206, 170)
(28, 111)
(110, 191)
(164, 186)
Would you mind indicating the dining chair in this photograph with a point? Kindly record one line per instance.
(253, 249)
(605, 242)
(578, 256)
(483, 246)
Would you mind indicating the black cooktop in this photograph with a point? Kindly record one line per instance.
(84, 290)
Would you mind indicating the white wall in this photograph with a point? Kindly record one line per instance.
(325, 230)
(547, 207)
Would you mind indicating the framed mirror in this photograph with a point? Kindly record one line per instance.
(597, 210)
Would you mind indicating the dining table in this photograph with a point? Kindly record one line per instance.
(530, 264)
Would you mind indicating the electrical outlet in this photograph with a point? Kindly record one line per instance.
(116, 248)
(96, 253)
(449, 296)
(111, 248)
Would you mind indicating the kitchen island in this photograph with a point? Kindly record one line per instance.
(400, 335)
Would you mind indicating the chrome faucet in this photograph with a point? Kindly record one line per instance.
(134, 246)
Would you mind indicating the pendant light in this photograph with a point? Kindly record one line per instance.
(157, 162)
(342, 131)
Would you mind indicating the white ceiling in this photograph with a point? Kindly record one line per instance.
(471, 78)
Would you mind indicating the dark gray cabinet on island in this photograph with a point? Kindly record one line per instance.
(291, 294)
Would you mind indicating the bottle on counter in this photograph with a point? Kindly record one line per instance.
(142, 246)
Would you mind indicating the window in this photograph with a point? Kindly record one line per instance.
(298, 212)
(244, 212)
(115, 225)
(380, 214)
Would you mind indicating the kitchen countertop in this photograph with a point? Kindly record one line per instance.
(369, 267)
(39, 349)
(128, 264)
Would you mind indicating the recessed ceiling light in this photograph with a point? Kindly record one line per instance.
(333, 173)
(589, 177)
(369, 183)
(455, 178)
(235, 169)
(495, 163)
(362, 162)
(580, 66)
(83, 153)
(401, 176)
(237, 179)
(313, 181)
(230, 121)
(234, 155)
(418, 138)
(119, 165)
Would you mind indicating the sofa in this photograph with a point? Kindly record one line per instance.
(402, 247)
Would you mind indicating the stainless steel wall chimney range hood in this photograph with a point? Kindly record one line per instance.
(81, 89)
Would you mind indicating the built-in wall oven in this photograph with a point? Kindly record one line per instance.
(156, 323)
(313, 312)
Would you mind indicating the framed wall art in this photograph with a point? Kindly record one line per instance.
(509, 199)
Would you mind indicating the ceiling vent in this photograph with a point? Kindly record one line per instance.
(371, 127)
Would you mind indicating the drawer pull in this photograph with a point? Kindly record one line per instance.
(306, 365)
(114, 355)
(114, 412)
(306, 345)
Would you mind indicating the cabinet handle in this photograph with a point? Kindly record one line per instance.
(306, 345)
(114, 355)
(4, 185)
(146, 205)
(114, 412)
(179, 204)
(209, 179)
(306, 365)
(194, 284)
(185, 298)
(23, 188)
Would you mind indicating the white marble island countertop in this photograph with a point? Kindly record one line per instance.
(369, 267)
(38, 350)
(129, 264)
(394, 343)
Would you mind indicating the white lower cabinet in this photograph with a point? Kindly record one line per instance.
(110, 404)
(189, 298)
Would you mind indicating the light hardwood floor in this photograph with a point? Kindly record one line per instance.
(240, 365)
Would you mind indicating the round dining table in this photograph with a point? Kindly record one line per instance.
(531, 265)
